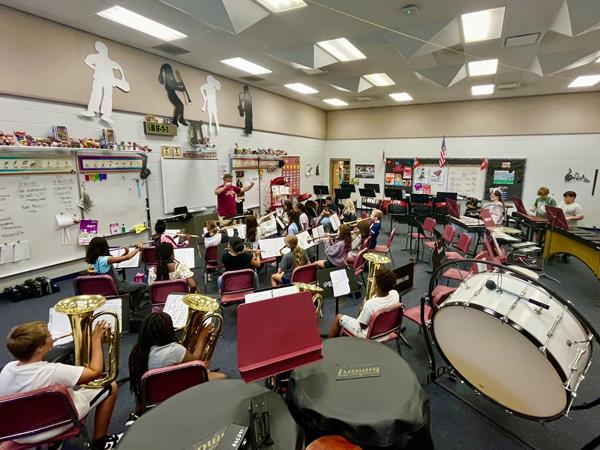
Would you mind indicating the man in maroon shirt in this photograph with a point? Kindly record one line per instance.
(226, 196)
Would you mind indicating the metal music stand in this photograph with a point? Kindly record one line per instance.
(324, 282)
(367, 198)
(348, 186)
(556, 218)
(277, 335)
(374, 186)
(320, 191)
(341, 194)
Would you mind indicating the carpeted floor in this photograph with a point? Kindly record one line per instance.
(454, 424)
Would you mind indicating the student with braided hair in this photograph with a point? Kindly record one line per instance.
(294, 258)
(168, 268)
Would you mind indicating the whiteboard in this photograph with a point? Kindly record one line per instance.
(251, 199)
(467, 180)
(120, 198)
(28, 208)
(189, 182)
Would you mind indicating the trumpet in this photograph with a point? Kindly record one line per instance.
(80, 310)
(203, 319)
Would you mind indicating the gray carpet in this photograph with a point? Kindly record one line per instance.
(454, 425)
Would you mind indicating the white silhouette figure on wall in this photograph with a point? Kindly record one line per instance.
(209, 93)
(104, 81)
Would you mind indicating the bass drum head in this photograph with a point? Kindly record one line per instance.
(499, 362)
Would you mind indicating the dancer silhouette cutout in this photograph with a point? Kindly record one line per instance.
(166, 77)
(209, 93)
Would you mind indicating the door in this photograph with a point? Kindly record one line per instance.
(339, 172)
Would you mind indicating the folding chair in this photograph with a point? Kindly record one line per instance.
(160, 290)
(96, 285)
(463, 246)
(387, 248)
(235, 285)
(211, 262)
(305, 274)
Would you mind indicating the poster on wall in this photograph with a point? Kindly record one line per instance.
(504, 177)
(422, 180)
(364, 171)
(398, 172)
(173, 83)
(437, 175)
(291, 173)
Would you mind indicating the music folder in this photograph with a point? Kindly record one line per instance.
(277, 335)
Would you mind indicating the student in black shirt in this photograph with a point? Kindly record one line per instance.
(237, 258)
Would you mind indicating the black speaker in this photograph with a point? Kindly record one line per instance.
(36, 288)
(46, 285)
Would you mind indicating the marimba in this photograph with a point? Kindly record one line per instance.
(585, 245)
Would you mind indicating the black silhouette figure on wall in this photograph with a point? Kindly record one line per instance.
(167, 78)
(245, 109)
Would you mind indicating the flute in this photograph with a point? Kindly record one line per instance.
(327, 235)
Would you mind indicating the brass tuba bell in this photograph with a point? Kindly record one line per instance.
(202, 314)
(376, 261)
(80, 310)
(317, 295)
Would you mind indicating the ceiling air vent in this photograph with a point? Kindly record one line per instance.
(519, 41)
(362, 99)
(171, 49)
(252, 79)
(513, 85)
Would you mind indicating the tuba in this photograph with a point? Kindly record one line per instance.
(376, 260)
(317, 295)
(203, 317)
(80, 310)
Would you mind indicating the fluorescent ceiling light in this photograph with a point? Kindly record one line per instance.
(278, 6)
(585, 81)
(379, 79)
(482, 25)
(401, 96)
(479, 68)
(598, 60)
(302, 88)
(246, 66)
(482, 89)
(140, 23)
(341, 49)
(335, 102)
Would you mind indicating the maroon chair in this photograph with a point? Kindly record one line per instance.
(235, 284)
(149, 256)
(447, 237)
(96, 285)
(359, 264)
(365, 243)
(28, 413)
(463, 246)
(384, 326)
(438, 295)
(387, 248)
(211, 263)
(160, 290)
(159, 384)
(305, 274)
(423, 233)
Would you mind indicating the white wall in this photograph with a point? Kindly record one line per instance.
(548, 159)
(36, 118)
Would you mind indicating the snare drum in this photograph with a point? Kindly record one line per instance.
(528, 359)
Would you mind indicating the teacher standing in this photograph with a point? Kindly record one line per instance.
(226, 196)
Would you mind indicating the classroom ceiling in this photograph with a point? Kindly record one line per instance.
(424, 52)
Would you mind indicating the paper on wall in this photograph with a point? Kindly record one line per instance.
(178, 310)
(22, 251)
(186, 255)
(340, 282)
(7, 253)
(130, 263)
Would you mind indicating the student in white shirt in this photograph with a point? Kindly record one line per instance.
(573, 210)
(303, 216)
(386, 296)
(157, 346)
(29, 344)
(497, 207)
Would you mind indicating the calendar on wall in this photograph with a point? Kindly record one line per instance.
(291, 174)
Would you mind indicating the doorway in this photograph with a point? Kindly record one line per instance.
(339, 172)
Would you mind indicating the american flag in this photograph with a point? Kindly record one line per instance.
(443, 153)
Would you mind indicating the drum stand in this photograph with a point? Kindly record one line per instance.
(543, 273)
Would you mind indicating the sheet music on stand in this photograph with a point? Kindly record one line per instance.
(271, 293)
(60, 327)
(132, 263)
(335, 222)
(178, 310)
(270, 247)
(318, 232)
(340, 282)
(268, 227)
(303, 240)
(186, 255)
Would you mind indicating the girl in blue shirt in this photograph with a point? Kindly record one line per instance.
(99, 256)
(376, 216)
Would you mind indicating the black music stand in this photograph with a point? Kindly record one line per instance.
(374, 186)
(324, 282)
(367, 198)
(341, 194)
(348, 186)
(556, 219)
(395, 193)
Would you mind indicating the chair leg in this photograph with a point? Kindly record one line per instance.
(404, 340)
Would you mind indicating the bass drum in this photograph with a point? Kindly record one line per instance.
(526, 358)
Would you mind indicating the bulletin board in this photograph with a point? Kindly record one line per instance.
(291, 172)
(463, 176)
(114, 186)
(32, 193)
(399, 172)
(507, 176)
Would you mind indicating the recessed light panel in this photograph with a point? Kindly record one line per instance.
(379, 79)
(278, 6)
(246, 66)
(401, 96)
(341, 49)
(585, 81)
(480, 68)
(482, 89)
(335, 102)
(140, 23)
(302, 88)
(482, 25)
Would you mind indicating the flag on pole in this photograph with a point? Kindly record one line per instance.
(417, 163)
(484, 164)
(443, 153)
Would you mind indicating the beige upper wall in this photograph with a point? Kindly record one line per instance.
(549, 114)
(43, 59)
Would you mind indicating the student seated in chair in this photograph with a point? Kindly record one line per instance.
(296, 257)
(337, 251)
(159, 236)
(29, 343)
(168, 268)
(329, 209)
(237, 258)
(386, 296)
(376, 216)
(157, 346)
